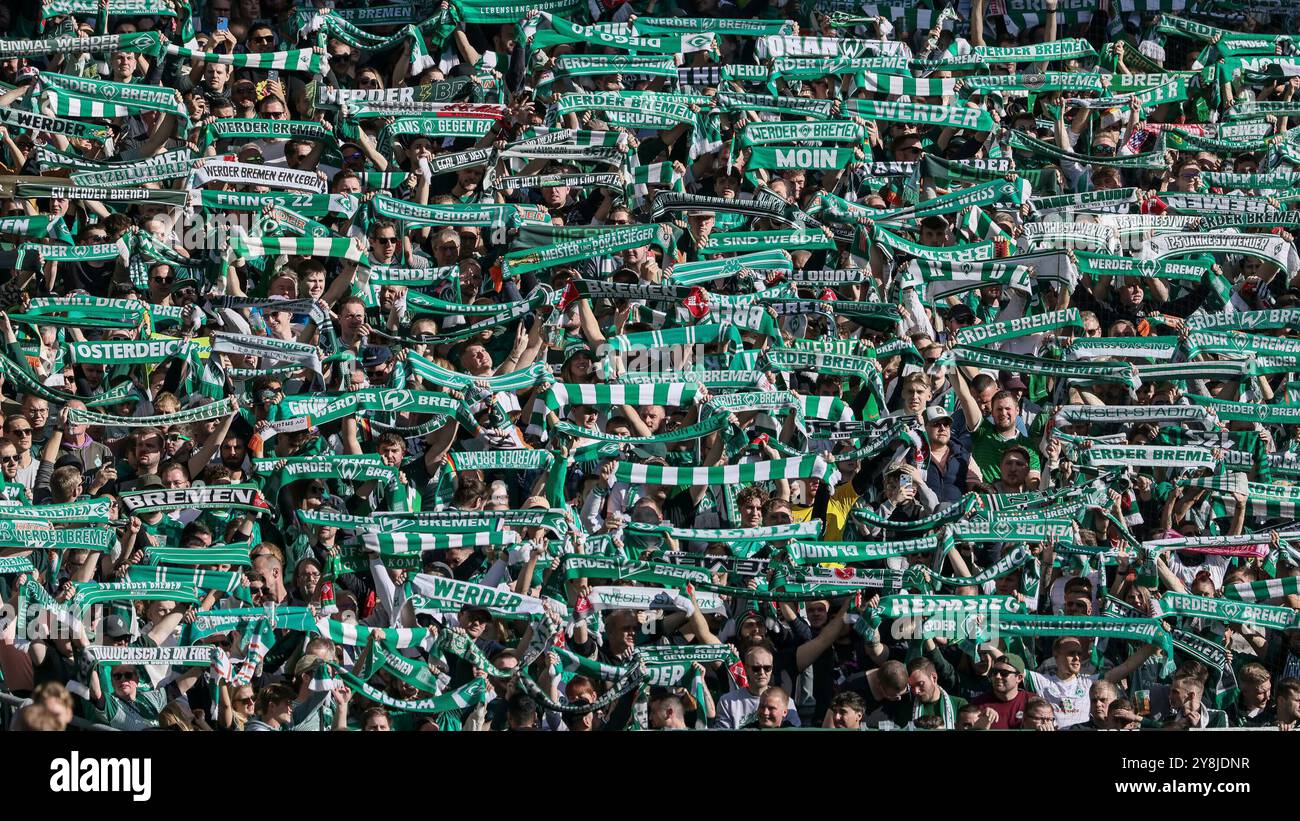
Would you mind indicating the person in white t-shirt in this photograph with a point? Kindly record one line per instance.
(736, 708)
(1067, 688)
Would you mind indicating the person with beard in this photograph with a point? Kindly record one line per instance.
(234, 456)
(1006, 698)
(948, 467)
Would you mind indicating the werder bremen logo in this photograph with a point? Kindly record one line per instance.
(1231, 609)
(395, 399)
(349, 471)
(1002, 529)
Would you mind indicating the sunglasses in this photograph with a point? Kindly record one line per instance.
(163, 280)
(1003, 673)
(385, 240)
(248, 700)
(760, 668)
(20, 432)
(125, 677)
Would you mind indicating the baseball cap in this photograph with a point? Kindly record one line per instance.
(372, 356)
(306, 663)
(115, 627)
(1013, 660)
(936, 412)
(577, 347)
(149, 480)
(69, 460)
(1012, 382)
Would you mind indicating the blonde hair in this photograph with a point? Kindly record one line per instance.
(166, 403)
(238, 719)
(171, 718)
(38, 718)
(53, 690)
(1254, 673)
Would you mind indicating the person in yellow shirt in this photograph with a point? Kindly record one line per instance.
(838, 505)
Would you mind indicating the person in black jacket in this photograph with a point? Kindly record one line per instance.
(948, 466)
(1131, 301)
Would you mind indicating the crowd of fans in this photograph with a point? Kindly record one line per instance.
(662, 364)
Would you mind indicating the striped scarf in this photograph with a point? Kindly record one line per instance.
(402, 544)
(295, 60)
(357, 635)
(748, 473)
(91, 593)
(1263, 590)
(812, 552)
(231, 583)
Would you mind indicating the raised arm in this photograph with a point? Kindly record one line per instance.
(809, 651)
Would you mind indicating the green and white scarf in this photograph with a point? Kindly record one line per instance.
(440, 595)
(748, 473)
(238, 497)
(1228, 610)
(802, 553)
